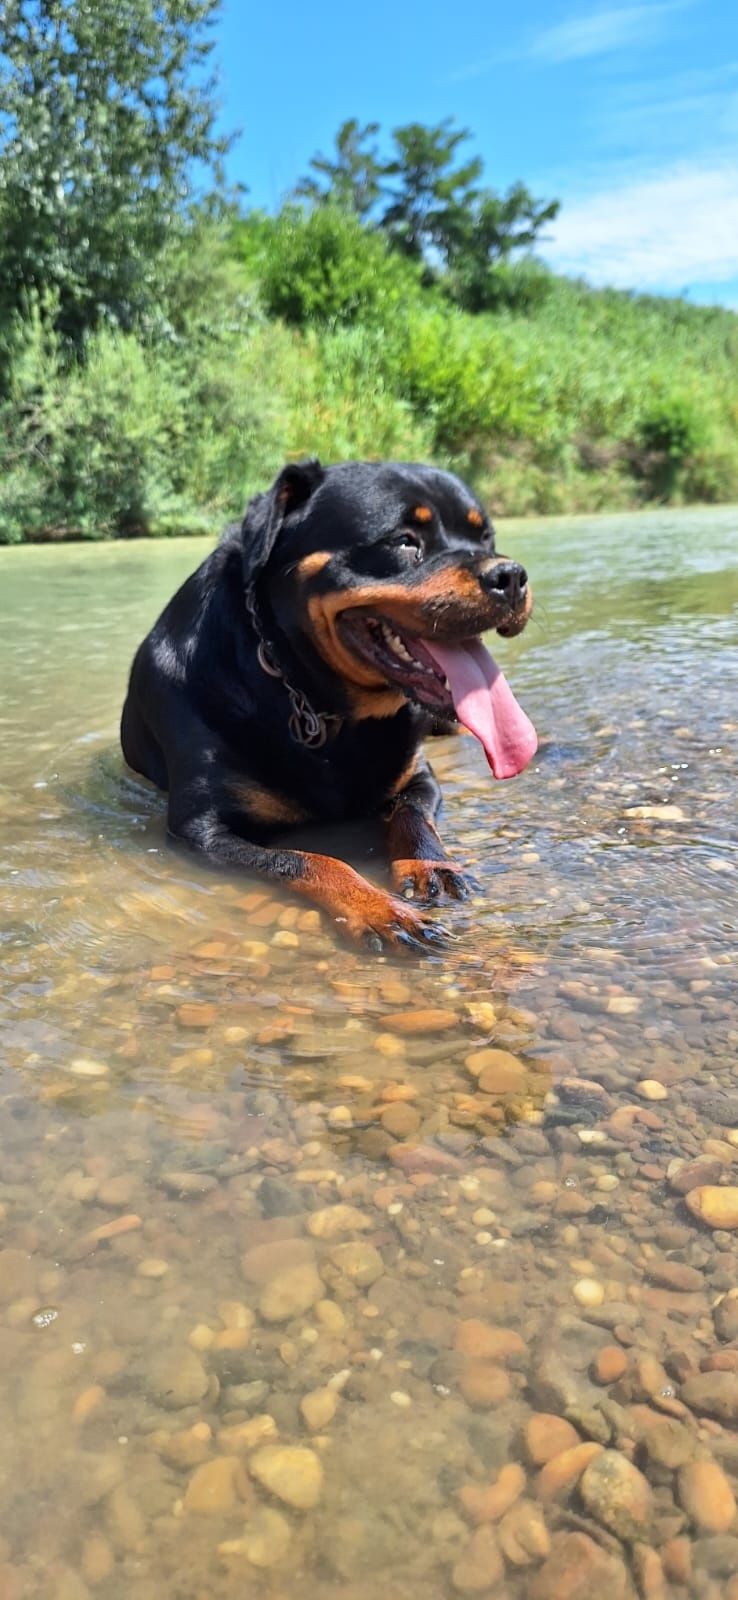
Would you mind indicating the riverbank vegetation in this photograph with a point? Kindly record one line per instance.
(160, 358)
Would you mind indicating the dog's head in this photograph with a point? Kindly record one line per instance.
(384, 576)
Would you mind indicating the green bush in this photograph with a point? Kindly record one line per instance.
(460, 378)
(673, 425)
(505, 285)
(139, 439)
(323, 267)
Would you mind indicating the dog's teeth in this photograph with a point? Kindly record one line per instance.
(395, 644)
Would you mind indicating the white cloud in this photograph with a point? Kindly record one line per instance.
(600, 32)
(596, 33)
(669, 116)
(663, 232)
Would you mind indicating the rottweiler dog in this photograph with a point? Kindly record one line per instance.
(294, 676)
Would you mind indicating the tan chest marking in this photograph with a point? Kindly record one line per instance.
(264, 805)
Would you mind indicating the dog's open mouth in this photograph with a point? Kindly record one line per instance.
(459, 679)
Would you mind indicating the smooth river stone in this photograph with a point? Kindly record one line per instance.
(332, 1221)
(290, 1472)
(618, 1495)
(428, 1021)
(713, 1394)
(291, 1293)
(176, 1379)
(579, 1569)
(215, 1486)
(547, 1436)
(714, 1205)
(265, 1541)
(706, 1495)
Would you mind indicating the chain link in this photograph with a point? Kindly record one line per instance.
(307, 727)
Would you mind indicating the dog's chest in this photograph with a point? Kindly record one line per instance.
(354, 773)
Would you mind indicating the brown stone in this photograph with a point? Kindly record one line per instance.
(669, 1444)
(618, 1495)
(706, 1495)
(546, 1436)
(675, 1275)
(216, 1486)
(263, 1544)
(649, 1572)
(479, 1339)
(571, 1203)
(667, 1302)
(646, 1378)
(489, 1502)
(720, 1361)
(186, 1449)
(430, 1020)
(265, 1261)
(197, 1014)
(290, 1472)
(693, 1174)
(479, 1568)
(717, 1207)
(677, 1557)
(579, 1569)
(482, 1384)
(359, 1261)
(332, 1221)
(401, 1120)
(497, 1071)
(423, 1158)
(609, 1364)
(291, 1293)
(713, 1394)
(523, 1535)
(115, 1192)
(725, 1317)
(561, 1474)
(113, 1230)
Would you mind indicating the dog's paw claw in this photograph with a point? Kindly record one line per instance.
(428, 880)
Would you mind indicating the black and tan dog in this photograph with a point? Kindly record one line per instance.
(295, 674)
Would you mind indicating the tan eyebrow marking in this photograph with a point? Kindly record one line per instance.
(422, 514)
(310, 566)
(475, 518)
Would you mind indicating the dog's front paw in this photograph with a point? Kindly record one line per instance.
(428, 880)
(365, 914)
(384, 923)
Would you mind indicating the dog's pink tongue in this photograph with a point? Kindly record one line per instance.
(486, 705)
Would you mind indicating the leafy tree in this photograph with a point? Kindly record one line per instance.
(351, 180)
(431, 197)
(486, 236)
(430, 206)
(103, 110)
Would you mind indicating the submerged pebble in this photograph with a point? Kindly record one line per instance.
(290, 1472)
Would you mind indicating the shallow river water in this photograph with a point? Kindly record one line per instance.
(329, 1275)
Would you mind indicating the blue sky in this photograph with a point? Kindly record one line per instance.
(628, 113)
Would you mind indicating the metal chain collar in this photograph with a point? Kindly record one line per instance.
(307, 727)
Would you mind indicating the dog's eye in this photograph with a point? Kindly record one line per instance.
(408, 542)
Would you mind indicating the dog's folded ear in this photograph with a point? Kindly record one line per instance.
(266, 513)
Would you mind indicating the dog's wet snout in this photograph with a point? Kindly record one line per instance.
(506, 579)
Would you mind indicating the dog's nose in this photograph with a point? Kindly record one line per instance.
(506, 579)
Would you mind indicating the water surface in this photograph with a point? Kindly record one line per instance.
(195, 1076)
